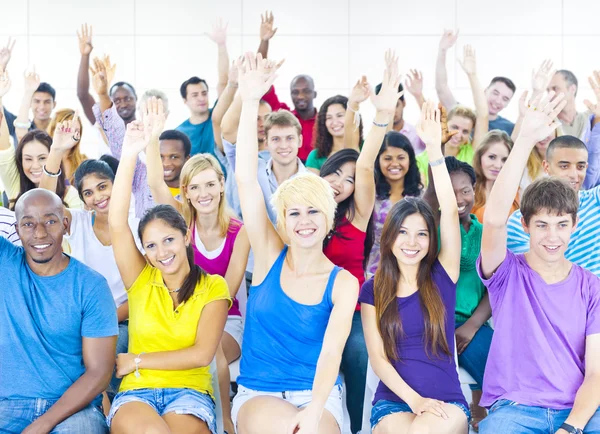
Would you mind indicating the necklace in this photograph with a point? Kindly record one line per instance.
(171, 291)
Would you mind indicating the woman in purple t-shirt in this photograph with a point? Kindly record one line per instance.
(408, 308)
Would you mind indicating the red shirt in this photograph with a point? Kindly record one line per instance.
(308, 125)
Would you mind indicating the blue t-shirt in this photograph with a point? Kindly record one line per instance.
(584, 246)
(42, 322)
(503, 124)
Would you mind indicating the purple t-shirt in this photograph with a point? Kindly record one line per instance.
(431, 377)
(538, 348)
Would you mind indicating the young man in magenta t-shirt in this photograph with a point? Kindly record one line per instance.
(543, 369)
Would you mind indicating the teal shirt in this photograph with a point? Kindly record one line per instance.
(315, 162)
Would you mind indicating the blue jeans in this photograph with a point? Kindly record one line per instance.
(474, 357)
(354, 366)
(507, 416)
(122, 347)
(383, 408)
(17, 414)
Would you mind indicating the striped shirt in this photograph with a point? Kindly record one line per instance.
(584, 246)
(8, 225)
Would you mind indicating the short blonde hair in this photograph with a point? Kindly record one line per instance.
(305, 189)
(199, 163)
(463, 111)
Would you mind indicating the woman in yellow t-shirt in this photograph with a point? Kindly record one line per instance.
(177, 312)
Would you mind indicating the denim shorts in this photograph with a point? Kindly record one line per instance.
(384, 408)
(163, 401)
(299, 399)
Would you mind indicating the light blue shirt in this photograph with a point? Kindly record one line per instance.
(584, 246)
(42, 322)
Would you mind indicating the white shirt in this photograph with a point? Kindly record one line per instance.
(8, 225)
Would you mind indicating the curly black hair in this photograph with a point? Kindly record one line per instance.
(324, 140)
(412, 178)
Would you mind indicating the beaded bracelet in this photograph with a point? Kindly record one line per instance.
(380, 125)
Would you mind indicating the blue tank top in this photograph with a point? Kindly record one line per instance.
(282, 338)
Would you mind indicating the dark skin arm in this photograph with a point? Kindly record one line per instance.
(99, 361)
(266, 33)
(83, 79)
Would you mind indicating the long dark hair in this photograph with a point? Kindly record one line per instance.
(25, 182)
(99, 168)
(171, 217)
(387, 277)
(324, 140)
(347, 208)
(412, 178)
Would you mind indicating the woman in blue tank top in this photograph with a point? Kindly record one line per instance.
(300, 306)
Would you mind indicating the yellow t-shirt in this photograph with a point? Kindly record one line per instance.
(175, 192)
(154, 326)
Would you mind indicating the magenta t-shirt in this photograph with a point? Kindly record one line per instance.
(428, 375)
(538, 349)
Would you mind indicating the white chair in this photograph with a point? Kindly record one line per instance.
(242, 297)
(217, 394)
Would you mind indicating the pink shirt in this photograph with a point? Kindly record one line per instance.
(411, 134)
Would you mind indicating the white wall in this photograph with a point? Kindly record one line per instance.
(161, 43)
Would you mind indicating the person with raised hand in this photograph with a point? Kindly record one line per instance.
(220, 242)
(83, 77)
(414, 85)
(407, 308)
(555, 301)
(178, 311)
(5, 56)
(289, 369)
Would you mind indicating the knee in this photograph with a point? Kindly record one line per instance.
(385, 426)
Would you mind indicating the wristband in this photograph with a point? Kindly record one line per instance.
(381, 125)
(137, 362)
(571, 429)
(25, 125)
(437, 162)
(50, 174)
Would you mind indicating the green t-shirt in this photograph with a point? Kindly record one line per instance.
(314, 161)
(465, 154)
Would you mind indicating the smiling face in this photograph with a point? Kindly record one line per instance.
(172, 154)
(412, 242)
(205, 192)
(498, 97)
(165, 246)
(283, 144)
(394, 163)
(305, 226)
(42, 105)
(342, 181)
(465, 195)
(549, 235)
(35, 155)
(335, 120)
(96, 192)
(493, 159)
(464, 126)
(124, 100)
(41, 225)
(569, 164)
(302, 93)
(197, 98)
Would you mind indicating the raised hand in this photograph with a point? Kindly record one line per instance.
(540, 117)
(449, 38)
(594, 81)
(32, 81)
(523, 104)
(154, 118)
(233, 77)
(99, 77)
(6, 53)
(414, 82)
(266, 26)
(218, 33)
(67, 134)
(110, 68)
(360, 92)
(136, 138)
(85, 40)
(469, 63)
(5, 83)
(256, 76)
(446, 133)
(387, 98)
(429, 127)
(541, 78)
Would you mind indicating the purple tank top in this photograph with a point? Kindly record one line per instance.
(219, 264)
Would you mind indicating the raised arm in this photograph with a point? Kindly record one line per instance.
(22, 123)
(360, 93)
(5, 85)
(236, 270)
(129, 259)
(414, 85)
(266, 33)
(592, 176)
(441, 74)
(255, 78)
(538, 123)
(469, 65)
(6, 53)
(385, 105)
(219, 36)
(223, 104)
(231, 120)
(345, 296)
(83, 79)
(430, 131)
(101, 84)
